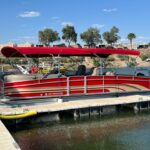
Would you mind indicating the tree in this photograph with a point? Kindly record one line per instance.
(148, 44)
(69, 34)
(91, 37)
(130, 37)
(48, 36)
(111, 36)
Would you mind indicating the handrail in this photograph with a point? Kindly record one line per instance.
(103, 84)
(85, 85)
(79, 85)
(68, 86)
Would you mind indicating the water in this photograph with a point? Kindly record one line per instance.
(124, 131)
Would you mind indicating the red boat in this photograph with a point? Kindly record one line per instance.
(29, 86)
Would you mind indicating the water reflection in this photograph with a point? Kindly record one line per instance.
(118, 133)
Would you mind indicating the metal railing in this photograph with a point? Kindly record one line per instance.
(79, 85)
(121, 84)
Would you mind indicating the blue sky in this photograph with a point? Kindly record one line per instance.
(22, 19)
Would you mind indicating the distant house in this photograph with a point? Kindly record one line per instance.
(143, 46)
(102, 46)
(39, 45)
(76, 45)
(59, 45)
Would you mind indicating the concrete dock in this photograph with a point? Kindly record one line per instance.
(8, 143)
(73, 105)
(6, 140)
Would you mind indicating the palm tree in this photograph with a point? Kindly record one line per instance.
(130, 37)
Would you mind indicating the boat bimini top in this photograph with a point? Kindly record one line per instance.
(64, 51)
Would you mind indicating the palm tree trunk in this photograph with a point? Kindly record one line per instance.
(131, 43)
(69, 43)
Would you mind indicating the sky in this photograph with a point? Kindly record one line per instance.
(21, 20)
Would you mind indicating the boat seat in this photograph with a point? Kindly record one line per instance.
(109, 73)
(96, 72)
(89, 71)
(54, 76)
(21, 77)
(70, 73)
(55, 71)
(81, 70)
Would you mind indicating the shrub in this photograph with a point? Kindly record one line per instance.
(123, 57)
(96, 62)
(144, 57)
(110, 59)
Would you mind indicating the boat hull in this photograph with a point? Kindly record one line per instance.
(73, 86)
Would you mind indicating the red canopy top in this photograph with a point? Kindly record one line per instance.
(63, 51)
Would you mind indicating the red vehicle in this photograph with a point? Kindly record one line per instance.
(29, 86)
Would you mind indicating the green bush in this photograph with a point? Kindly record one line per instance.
(132, 64)
(96, 62)
(123, 57)
(110, 59)
(144, 57)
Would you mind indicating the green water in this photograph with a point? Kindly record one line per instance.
(124, 131)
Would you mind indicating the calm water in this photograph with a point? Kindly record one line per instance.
(127, 131)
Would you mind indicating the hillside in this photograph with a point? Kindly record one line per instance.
(141, 60)
(112, 61)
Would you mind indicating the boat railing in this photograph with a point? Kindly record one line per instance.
(68, 86)
(76, 85)
(104, 84)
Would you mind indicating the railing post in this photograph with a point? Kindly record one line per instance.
(149, 83)
(117, 84)
(85, 85)
(68, 86)
(103, 84)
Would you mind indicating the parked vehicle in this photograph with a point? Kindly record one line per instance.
(148, 59)
(142, 72)
(129, 71)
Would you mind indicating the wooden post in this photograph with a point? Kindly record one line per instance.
(79, 113)
(118, 108)
(136, 108)
(89, 112)
(75, 114)
(99, 111)
(139, 106)
(148, 105)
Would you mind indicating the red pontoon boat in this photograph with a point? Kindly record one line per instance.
(27, 86)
